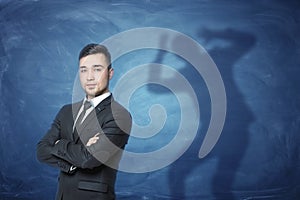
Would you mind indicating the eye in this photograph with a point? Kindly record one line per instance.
(83, 70)
(98, 69)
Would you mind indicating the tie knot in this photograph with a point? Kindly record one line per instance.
(86, 105)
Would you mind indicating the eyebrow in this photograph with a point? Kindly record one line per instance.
(83, 66)
(98, 66)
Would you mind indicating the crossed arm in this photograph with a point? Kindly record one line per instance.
(67, 155)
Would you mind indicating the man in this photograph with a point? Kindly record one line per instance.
(86, 138)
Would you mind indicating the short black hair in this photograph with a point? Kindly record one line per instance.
(93, 48)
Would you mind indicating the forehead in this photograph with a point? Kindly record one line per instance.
(94, 59)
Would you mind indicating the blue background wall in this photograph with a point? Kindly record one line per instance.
(255, 45)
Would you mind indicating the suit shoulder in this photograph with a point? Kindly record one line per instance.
(118, 107)
(66, 107)
(70, 106)
(63, 110)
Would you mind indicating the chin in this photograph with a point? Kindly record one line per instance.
(91, 94)
(94, 94)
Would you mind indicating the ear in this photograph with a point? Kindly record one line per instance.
(110, 73)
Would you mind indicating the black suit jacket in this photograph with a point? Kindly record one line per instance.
(95, 175)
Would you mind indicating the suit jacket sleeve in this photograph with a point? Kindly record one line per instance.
(45, 145)
(114, 135)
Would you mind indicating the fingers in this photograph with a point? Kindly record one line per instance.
(93, 140)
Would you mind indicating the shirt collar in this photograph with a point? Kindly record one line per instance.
(97, 100)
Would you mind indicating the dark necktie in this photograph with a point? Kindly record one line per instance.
(86, 106)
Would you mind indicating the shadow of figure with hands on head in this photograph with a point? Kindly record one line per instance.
(230, 149)
(234, 140)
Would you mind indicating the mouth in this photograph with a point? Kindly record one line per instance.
(90, 86)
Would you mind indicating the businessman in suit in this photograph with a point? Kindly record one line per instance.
(87, 138)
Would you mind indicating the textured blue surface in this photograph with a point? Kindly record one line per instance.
(256, 46)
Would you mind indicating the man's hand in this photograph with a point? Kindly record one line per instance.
(93, 140)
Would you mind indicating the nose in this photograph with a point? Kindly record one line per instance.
(90, 75)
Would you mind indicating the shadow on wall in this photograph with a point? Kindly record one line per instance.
(232, 144)
(231, 147)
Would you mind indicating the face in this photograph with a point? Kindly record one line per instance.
(94, 75)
